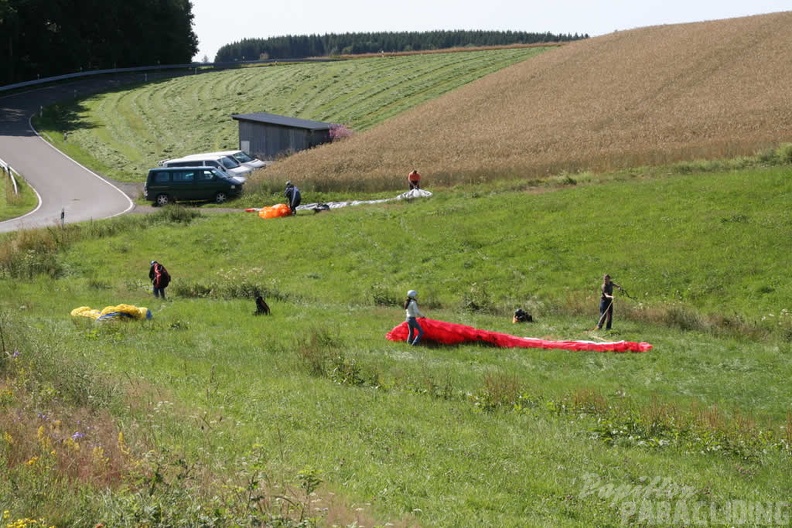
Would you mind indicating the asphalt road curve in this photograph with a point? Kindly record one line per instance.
(67, 191)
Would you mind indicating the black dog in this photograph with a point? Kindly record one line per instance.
(262, 308)
(521, 316)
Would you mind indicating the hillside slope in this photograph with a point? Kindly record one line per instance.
(646, 96)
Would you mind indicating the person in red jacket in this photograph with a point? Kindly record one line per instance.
(415, 180)
(160, 278)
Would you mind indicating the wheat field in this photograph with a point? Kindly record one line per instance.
(648, 96)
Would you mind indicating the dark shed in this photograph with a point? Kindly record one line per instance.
(267, 136)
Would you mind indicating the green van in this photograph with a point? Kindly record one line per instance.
(189, 184)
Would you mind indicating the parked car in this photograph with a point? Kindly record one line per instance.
(218, 161)
(165, 185)
(244, 158)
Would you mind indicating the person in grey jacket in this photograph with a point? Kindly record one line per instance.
(413, 313)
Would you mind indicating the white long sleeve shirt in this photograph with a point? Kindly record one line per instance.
(412, 309)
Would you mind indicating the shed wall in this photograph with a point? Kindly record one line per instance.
(270, 141)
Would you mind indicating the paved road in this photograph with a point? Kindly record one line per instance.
(63, 185)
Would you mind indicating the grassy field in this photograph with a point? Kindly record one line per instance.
(125, 133)
(312, 414)
(15, 202)
(206, 415)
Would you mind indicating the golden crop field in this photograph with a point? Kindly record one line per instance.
(647, 96)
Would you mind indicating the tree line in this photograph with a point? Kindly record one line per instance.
(300, 47)
(45, 38)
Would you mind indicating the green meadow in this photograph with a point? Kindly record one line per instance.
(16, 199)
(207, 415)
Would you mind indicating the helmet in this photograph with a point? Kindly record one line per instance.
(412, 294)
(153, 262)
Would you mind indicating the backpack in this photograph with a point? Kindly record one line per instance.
(165, 277)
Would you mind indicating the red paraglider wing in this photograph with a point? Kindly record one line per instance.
(454, 334)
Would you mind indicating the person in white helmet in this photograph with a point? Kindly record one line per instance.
(413, 313)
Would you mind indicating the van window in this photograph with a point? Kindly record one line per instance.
(183, 176)
(206, 175)
(162, 177)
(184, 163)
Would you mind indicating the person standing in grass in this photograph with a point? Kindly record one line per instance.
(293, 195)
(160, 278)
(413, 313)
(414, 178)
(606, 302)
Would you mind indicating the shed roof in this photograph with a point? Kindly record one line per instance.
(274, 119)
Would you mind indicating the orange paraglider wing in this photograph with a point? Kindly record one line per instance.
(275, 211)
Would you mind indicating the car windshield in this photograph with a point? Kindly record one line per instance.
(229, 162)
(242, 157)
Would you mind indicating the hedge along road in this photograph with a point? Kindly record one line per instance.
(63, 186)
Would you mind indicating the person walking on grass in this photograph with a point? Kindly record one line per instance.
(606, 302)
(413, 313)
(160, 278)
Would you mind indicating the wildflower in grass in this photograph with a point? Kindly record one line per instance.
(44, 440)
(28, 523)
(99, 457)
(122, 444)
(72, 444)
(77, 435)
(8, 438)
(32, 461)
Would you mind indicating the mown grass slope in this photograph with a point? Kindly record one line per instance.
(124, 133)
(653, 95)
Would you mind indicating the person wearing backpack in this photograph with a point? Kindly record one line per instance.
(160, 278)
(292, 194)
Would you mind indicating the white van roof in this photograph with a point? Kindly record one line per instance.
(252, 162)
(237, 170)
